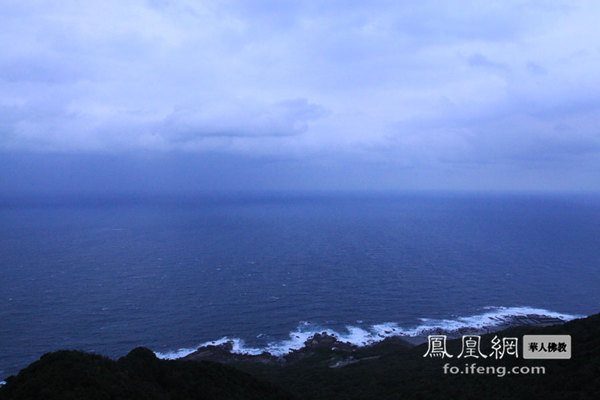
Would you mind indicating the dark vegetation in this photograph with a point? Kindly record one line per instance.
(140, 375)
(398, 372)
(389, 370)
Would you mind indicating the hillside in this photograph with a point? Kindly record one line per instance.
(324, 369)
(391, 370)
(139, 375)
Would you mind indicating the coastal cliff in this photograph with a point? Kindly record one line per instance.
(323, 369)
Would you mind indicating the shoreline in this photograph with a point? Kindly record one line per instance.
(494, 320)
(323, 369)
(342, 351)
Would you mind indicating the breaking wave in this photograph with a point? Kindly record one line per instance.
(493, 318)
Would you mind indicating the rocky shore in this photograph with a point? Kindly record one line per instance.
(324, 368)
(318, 343)
(344, 353)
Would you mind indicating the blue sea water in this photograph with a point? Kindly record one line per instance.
(107, 275)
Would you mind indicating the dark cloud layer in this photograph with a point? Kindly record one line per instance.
(353, 94)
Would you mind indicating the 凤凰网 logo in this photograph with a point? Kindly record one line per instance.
(534, 347)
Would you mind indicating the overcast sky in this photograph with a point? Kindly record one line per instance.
(179, 95)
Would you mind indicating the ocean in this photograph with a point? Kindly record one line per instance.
(107, 274)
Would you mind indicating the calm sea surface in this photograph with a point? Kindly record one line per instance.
(109, 275)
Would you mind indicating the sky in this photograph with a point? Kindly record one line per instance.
(190, 96)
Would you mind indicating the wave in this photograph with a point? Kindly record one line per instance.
(493, 318)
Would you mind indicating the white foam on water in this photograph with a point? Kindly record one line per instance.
(495, 317)
(237, 346)
(492, 318)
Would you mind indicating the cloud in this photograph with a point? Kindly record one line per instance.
(428, 83)
(285, 118)
(481, 61)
